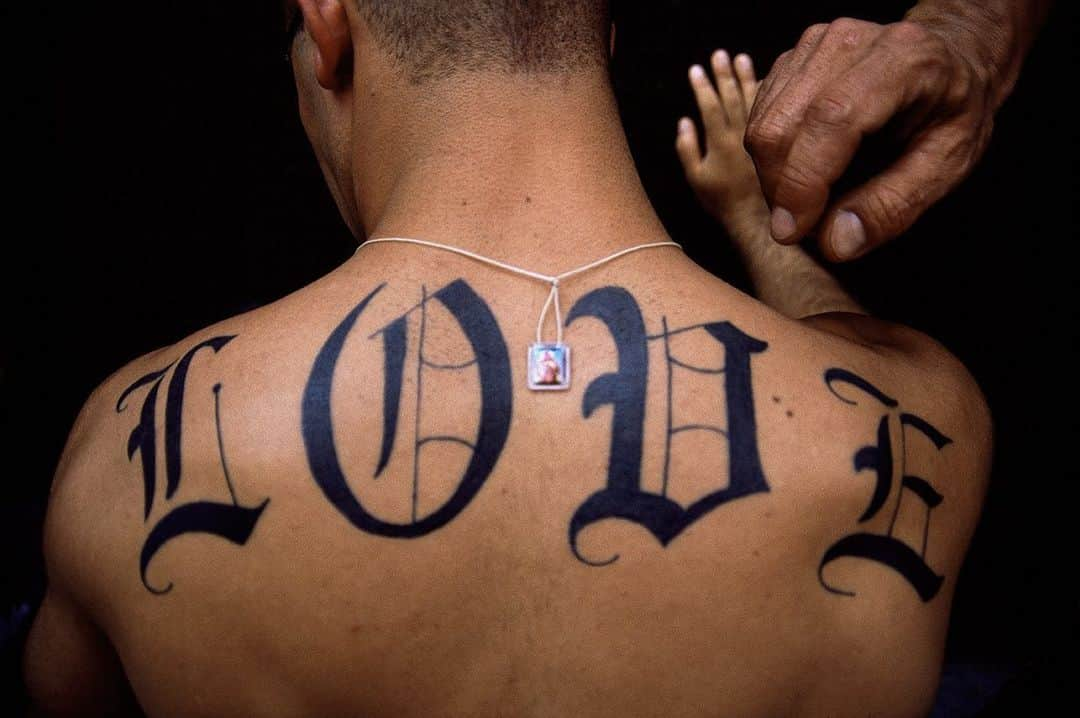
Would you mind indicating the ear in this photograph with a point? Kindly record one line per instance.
(327, 24)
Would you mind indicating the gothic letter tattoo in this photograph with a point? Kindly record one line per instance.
(887, 549)
(492, 360)
(231, 521)
(624, 389)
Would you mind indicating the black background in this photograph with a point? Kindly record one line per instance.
(160, 181)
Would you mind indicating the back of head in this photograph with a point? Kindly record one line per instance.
(435, 39)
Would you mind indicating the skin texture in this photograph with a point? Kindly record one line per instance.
(238, 527)
(932, 81)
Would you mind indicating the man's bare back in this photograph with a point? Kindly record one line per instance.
(350, 503)
(655, 540)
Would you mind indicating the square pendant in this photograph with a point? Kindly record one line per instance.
(549, 366)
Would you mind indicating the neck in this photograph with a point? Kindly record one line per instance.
(535, 171)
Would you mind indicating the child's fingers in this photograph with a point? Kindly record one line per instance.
(730, 94)
(687, 147)
(712, 114)
(748, 82)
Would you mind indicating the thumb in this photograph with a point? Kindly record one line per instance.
(888, 204)
(688, 149)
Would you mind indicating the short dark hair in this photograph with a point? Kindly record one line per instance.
(433, 39)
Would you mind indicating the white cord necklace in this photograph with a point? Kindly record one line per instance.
(548, 362)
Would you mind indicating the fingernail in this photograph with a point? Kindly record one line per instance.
(720, 57)
(684, 125)
(848, 234)
(743, 62)
(697, 72)
(783, 223)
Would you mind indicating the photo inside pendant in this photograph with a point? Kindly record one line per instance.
(549, 366)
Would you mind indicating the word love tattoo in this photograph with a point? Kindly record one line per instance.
(624, 389)
(886, 549)
(230, 521)
(455, 313)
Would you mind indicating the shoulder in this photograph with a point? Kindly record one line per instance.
(108, 471)
(916, 438)
(916, 365)
(917, 427)
(96, 490)
(69, 663)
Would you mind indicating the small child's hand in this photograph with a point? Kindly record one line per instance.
(724, 180)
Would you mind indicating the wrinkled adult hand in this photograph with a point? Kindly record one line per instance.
(844, 81)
